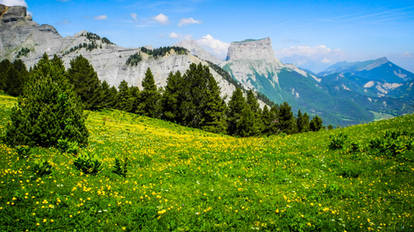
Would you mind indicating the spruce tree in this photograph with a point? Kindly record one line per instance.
(302, 122)
(237, 105)
(86, 82)
(4, 68)
(315, 124)
(122, 102)
(193, 96)
(16, 76)
(134, 99)
(213, 111)
(286, 120)
(149, 97)
(170, 99)
(253, 103)
(48, 110)
(108, 97)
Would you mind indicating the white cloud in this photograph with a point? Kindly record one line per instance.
(14, 2)
(134, 16)
(100, 17)
(174, 35)
(308, 51)
(217, 47)
(326, 60)
(187, 21)
(315, 58)
(161, 18)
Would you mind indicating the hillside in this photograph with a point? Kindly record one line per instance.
(185, 179)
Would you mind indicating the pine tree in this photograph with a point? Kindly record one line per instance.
(286, 119)
(237, 105)
(48, 110)
(253, 103)
(4, 68)
(86, 82)
(170, 99)
(16, 76)
(247, 125)
(302, 122)
(315, 123)
(134, 99)
(122, 102)
(193, 96)
(108, 97)
(274, 121)
(149, 97)
(214, 109)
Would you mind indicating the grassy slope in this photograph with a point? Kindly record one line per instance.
(185, 179)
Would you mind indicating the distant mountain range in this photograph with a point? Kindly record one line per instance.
(344, 94)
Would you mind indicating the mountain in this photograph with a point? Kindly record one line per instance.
(379, 85)
(21, 38)
(253, 64)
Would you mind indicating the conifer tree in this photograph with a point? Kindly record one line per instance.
(315, 124)
(149, 97)
(134, 99)
(86, 82)
(193, 96)
(302, 122)
(16, 76)
(48, 110)
(122, 102)
(237, 105)
(170, 99)
(253, 103)
(274, 121)
(286, 119)
(108, 97)
(4, 68)
(214, 109)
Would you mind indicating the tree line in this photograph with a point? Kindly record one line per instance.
(191, 99)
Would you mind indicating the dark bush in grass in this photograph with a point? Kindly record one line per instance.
(392, 144)
(337, 142)
(88, 164)
(42, 168)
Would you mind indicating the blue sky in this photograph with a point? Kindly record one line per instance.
(311, 34)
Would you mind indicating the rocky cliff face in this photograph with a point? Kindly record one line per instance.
(21, 38)
(252, 50)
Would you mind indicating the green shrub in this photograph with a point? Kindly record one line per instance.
(134, 59)
(88, 164)
(23, 151)
(393, 143)
(42, 168)
(338, 142)
(48, 110)
(121, 169)
(67, 146)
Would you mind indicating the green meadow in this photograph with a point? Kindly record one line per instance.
(174, 178)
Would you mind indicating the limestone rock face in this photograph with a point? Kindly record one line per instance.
(198, 51)
(252, 50)
(13, 13)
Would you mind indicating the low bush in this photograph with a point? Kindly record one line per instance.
(42, 168)
(88, 164)
(338, 142)
(121, 169)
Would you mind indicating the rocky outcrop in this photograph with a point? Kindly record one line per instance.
(252, 50)
(10, 14)
(198, 51)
